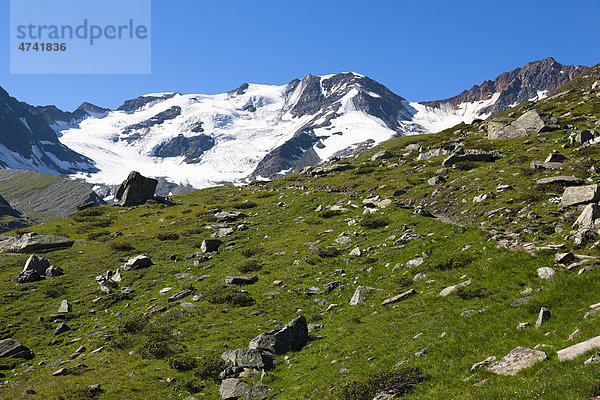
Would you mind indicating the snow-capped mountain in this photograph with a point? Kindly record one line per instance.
(253, 132)
(27, 142)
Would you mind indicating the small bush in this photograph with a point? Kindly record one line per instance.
(192, 385)
(209, 366)
(374, 221)
(249, 266)
(167, 236)
(364, 169)
(53, 291)
(398, 382)
(312, 221)
(159, 343)
(453, 262)
(225, 295)
(403, 282)
(329, 213)
(252, 251)
(244, 205)
(471, 293)
(84, 393)
(329, 252)
(121, 246)
(182, 362)
(98, 235)
(134, 325)
(466, 165)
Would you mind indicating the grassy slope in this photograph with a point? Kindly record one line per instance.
(364, 339)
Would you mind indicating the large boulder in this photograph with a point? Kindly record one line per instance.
(530, 123)
(34, 269)
(462, 155)
(249, 358)
(141, 261)
(518, 359)
(580, 195)
(561, 181)
(12, 348)
(136, 189)
(33, 243)
(588, 217)
(571, 352)
(241, 280)
(232, 388)
(210, 245)
(289, 338)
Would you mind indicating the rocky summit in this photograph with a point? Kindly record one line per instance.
(462, 264)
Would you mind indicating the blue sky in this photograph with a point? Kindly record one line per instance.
(421, 50)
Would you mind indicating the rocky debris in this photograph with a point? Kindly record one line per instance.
(61, 328)
(462, 155)
(561, 181)
(137, 262)
(210, 245)
(12, 348)
(383, 155)
(436, 180)
(323, 170)
(579, 138)
(355, 252)
(65, 307)
(229, 216)
(483, 364)
(450, 289)
(400, 297)
(289, 338)
(241, 280)
(593, 359)
(580, 195)
(135, 190)
(249, 358)
(546, 273)
(35, 268)
(523, 325)
(543, 316)
(33, 243)
(574, 335)
(564, 258)
(232, 388)
(180, 295)
(555, 157)
(588, 217)
(571, 352)
(530, 123)
(415, 262)
(545, 165)
(223, 232)
(414, 147)
(436, 153)
(53, 271)
(522, 300)
(518, 359)
(360, 295)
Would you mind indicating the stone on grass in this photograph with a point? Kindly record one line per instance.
(561, 181)
(249, 358)
(141, 261)
(518, 359)
(571, 352)
(33, 270)
(546, 273)
(12, 348)
(62, 328)
(289, 338)
(593, 359)
(543, 316)
(580, 195)
(241, 280)
(65, 307)
(588, 217)
(135, 190)
(450, 289)
(360, 295)
(232, 388)
(484, 364)
(33, 242)
(564, 258)
(210, 245)
(400, 297)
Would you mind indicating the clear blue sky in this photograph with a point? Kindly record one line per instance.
(421, 50)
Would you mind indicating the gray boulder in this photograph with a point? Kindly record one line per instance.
(249, 358)
(229, 216)
(64, 308)
(436, 180)
(241, 280)
(34, 269)
(210, 245)
(518, 359)
(360, 295)
(555, 157)
(141, 261)
(12, 348)
(561, 181)
(545, 165)
(232, 388)
(400, 297)
(580, 195)
(530, 123)
(62, 328)
(461, 155)
(53, 271)
(543, 316)
(571, 352)
(580, 138)
(289, 338)
(588, 217)
(33, 242)
(135, 190)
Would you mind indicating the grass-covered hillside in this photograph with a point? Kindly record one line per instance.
(377, 220)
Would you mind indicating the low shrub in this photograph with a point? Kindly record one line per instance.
(398, 382)
(329, 213)
(471, 293)
(466, 165)
(252, 251)
(374, 221)
(182, 362)
(453, 262)
(134, 325)
(121, 246)
(244, 205)
(225, 295)
(209, 366)
(167, 236)
(329, 252)
(249, 266)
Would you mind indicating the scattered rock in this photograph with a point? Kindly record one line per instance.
(462, 155)
(33, 243)
(210, 245)
(229, 216)
(561, 181)
(574, 335)
(135, 190)
(564, 258)
(523, 325)
(383, 155)
(65, 307)
(360, 295)
(580, 195)
(450, 289)
(588, 217)
(180, 295)
(593, 359)
(249, 358)
(141, 261)
(546, 273)
(436, 180)
(289, 338)
(241, 280)
(530, 123)
(484, 364)
(522, 300)
(53, 271)
(12, 348)
(543, 316)
(34, 269)
(571, 352)
(544, 165)
(555, 157)
(355, 252)
(400, 297)
(415, 262)
(232, 388)
(62, 328)
(518, 359)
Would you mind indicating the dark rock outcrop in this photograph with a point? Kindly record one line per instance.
(35, 268)
(289, 338)
(135, 190)
(191, 148)
(12, 348)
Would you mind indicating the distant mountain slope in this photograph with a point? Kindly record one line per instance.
(532, 82)
(44, 197)
(10, 218)
(27, 142)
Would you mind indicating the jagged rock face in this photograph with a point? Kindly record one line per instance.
(26, 141)
(191, 148)
(516, 86)
(53, 115)
(130, 106)
(134, 132)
